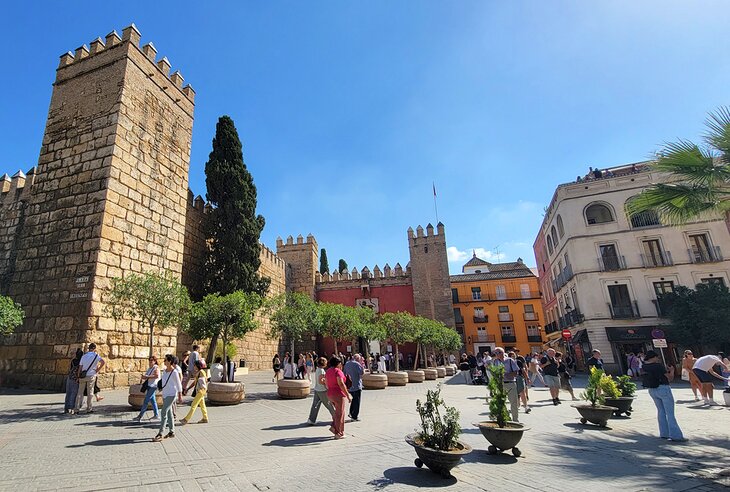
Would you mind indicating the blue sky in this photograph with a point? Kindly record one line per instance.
(348, 111)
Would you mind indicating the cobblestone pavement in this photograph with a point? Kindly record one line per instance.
(264, 444)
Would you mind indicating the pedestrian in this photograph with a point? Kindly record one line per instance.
(309, 366)
(276, 366)
(184, 365)
(452, 359)
(657, 379)
(170, 384)
(194, 356)
(200, 381)
(521, 380)
(150, 377)
(724, 371)
(231, 366)
(511, 369)
(565, 376)
(549, 366)
(72, 383)
(704, 369)
(465, 369)
(176, 367)
(301, 366)
(472, 365)
(216, 371)
(688, 374)
(535, 370)
(290, 369)
(89, 366)
(354, 369)
(320, 393)
(595, 360)
(381, 364)
(337, 393)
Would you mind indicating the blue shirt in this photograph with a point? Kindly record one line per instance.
(355, 371)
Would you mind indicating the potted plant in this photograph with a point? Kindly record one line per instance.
(437, 444)
(596, 413)
(501, 433)
(627, 391)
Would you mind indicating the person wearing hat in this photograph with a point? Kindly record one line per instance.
(657, 378)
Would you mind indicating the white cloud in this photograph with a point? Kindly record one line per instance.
(455, 255)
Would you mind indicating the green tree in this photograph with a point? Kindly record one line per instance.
(337, 322)
(11, 315)
(292, 316)
(342, 266)
(153, 299)
(699, 316)
(699, 181)
(367, 327)
(228, 317)
(324, 266)
(399, 328)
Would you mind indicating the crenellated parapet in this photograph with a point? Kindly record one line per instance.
(356, 278)
(16, 188)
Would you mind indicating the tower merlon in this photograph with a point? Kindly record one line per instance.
(96, 46)
(112, 39)
(440, 228)
(429, 230)
(131, 34)
(177, 79)
(66, 59)
(300, 239)
(4, 183)
(150, 51)
(164, 66)
(289, 240)
(279, 242)
(81, 52)
(189, 92)
(419, 231)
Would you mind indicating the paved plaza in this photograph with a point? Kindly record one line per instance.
(265, 444)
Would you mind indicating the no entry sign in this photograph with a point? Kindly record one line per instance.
(567, 335)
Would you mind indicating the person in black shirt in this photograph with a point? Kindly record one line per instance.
(596, 360)
(549, 367)
(656, 379)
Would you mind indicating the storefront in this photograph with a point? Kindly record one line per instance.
(581, 347)
(635, 340)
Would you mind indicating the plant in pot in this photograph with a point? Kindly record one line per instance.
(437, 443)
(501, 433)
(596, 412)
(626, 390)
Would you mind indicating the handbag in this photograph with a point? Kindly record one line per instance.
(145, 386)
(348, 381)
(82, 374)
(685, 374)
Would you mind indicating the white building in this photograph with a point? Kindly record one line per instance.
(606, 269)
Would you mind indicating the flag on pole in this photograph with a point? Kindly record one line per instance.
(434, 189)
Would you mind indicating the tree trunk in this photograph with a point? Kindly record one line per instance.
(211, 349)
(397, 364)
(225, 359)
(336, 352)
(152, 330)
(294, 371)
(418, 351)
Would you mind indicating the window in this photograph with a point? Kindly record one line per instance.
(525, 291)
(653, 254)
(507, 331)
(663, 287)
(482, 333)
(479, 315)
(598, 213)
(645, 219)
(610, 260)
(621, 306)
(504, 309)
(455, 296)
(530, 314)
(533, 331)
(714, 281)
(504, 314)
(501, 292)
(457, 315)
(554, 235)
(550, 244)
(561, 229)
(476, 293)
(529, 308)
(700, 248)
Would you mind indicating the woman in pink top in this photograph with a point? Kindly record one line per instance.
(337, 392)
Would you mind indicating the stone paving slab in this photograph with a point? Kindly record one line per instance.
(264, 444)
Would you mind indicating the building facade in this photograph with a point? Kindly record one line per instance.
(498, 305)
(607, 268)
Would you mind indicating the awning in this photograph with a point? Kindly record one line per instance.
(581, 336)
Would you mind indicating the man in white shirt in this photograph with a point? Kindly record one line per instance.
(216, 371)
(194, 355)
(705, 372)
(89, 367)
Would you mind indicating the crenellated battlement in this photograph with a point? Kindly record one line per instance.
(355, 277)
(429, 231)
(83, 56)
(299, 241)
(16, 188)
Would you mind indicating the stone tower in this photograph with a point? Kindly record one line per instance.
(430, 274)
(302, 262)
(109, 197)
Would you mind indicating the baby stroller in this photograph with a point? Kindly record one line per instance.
(478, 377)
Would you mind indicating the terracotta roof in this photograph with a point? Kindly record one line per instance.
(476, 261)
(515, 269)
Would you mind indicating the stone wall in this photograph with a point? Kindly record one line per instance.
(303, 260)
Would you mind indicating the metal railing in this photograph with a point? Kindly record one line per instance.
(612, 263)
(488, 296)
(563, 277)
(551, 327)
(509, 339)
(534, 338)
(481, 319)
(630, 311)
(505, 316)
(486, 338)
(530, 316)
(571, 318)
(661, 260)
(705, 256)
(645, 219)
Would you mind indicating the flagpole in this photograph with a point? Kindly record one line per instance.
(435, 207)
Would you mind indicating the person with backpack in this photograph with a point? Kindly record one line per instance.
(170, 384)
(89, 366)
(200, 380)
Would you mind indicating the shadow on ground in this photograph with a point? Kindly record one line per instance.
(415, 477)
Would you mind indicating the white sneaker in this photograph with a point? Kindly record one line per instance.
(711, 403)
(310, 422)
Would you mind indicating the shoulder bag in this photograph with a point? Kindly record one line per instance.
(82, 373)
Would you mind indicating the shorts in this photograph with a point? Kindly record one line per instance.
(552, 381)
(565, 381)
(703, 376)
(520, 384)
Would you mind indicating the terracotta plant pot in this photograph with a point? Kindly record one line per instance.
(225, 393)
(374, 381)
(450, 371)
(598, 415)
(136, 397)
(292, 389)
(623, 404)
(440, 372)
(502, 439)
(431, 374)
(438, 461)
(399, 378)
(416, 376)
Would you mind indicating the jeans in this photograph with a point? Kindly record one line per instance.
(320, 398)
(355, 405)
(664, 401)
(149, 397)
(88, 384)
(72, 390)
(167, 418)
(338, 421)
(513, 397)
(198, 400)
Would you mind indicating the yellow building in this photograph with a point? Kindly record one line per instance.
(498, 305)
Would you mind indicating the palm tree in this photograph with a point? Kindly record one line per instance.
(699, 182)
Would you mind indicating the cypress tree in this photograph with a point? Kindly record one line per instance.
(233, 226)
(324, 266)
(342, 267)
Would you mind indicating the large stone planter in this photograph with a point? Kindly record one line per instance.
(441, 372)
(136, 397)
(450, 371)
(431, 374)
(225, 393)
(416, 376)
(438, 461)
(374, 381)
(598, 415)
(502, 439)
(399, 378)
(293, 388)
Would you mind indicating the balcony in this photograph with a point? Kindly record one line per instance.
(551, 327)
(505, 316)
(655, 261)
(563, 278)
(630, 311)
(476, 296)
(612, 263)
(486, 338)
(530, 316)
(459, 320)
(502, 296)
(509, 339)
(645, 219)
(534, 338)
(481, 319)
(705, 256)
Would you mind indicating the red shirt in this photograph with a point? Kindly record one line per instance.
(333, 389)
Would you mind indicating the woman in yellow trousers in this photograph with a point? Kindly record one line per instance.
(200, 381)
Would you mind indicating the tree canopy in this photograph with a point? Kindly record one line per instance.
(11, 315)
(341, 266)
(324, 265)
(400, 328)
(699, 316)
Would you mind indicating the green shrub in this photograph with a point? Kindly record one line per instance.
(608, 386)
(438, 431)
(592, 392)
(626, 386)
(498, 402)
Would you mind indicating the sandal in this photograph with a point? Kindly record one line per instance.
(170, 434)
(157, 438)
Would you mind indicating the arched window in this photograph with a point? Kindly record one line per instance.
(554, 234)
(561, 229)
(644, 219)
(598, 213)
(550, 244)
